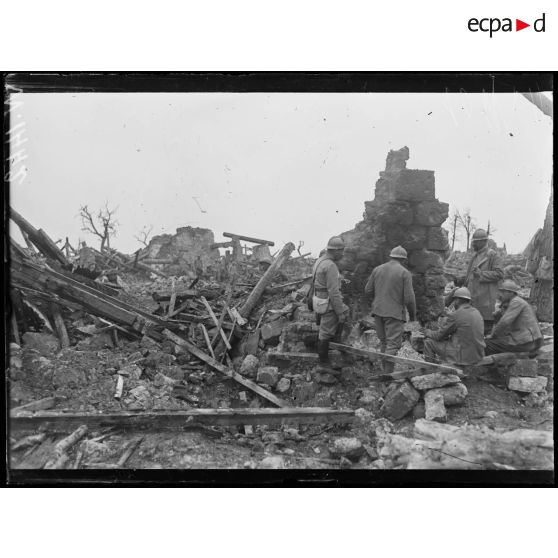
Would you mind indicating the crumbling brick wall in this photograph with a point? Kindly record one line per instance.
(404, 212)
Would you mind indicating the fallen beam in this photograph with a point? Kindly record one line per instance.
(248, 239)
(61, 422)
(266, 279)
(229, 373)
(376, 355)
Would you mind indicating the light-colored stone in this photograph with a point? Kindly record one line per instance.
(434, 406)
(132, 371)
(435, 380)
(283, 385)
(350, 448)
(453, 395)
(271, 462)
(528, 385)
(268, 375)
(249, 366)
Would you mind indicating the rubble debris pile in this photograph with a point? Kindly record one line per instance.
(404, 212)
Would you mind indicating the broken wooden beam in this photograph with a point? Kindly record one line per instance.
(229, 373)
(249, 239)
(38, 405)
(63, 422)
(216, 322)
(60, 326)
(376, 355)
(266, 279)
(39, 238)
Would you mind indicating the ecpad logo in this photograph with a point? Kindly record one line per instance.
(494, 24)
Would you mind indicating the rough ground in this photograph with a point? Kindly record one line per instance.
(84, 378)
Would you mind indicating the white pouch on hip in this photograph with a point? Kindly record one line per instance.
(321, 305)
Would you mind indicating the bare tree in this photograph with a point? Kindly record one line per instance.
(300, 245)
(102, 225)
(143, 236)
(454, 236)
(466, 224)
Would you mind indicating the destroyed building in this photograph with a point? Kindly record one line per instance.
(404, 212)
(226, 362)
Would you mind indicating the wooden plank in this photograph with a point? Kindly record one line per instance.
(207, 340)
(409, 361)
(216, 322)
(249, 239)
(229, 373)
(38, 405)
(62, 422)
(60, 326)
(256, 294)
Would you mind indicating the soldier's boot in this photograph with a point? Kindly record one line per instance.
(325, 365)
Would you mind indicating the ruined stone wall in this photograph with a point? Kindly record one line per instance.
(404, 212)
(190, 247)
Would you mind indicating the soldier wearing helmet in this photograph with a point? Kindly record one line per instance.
(327, 300)
(517, 329)
(390, 287)
(484, 272)
(461, 341)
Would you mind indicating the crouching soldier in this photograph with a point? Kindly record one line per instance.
(390, 286)
(461, 341)
(331, 311)
(517, 329)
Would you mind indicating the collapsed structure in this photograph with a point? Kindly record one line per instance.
(178, 336)
(404, 212)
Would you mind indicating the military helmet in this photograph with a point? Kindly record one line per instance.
(462, 292)
(480, 234)
(335, 243)
(398, 252)
(266, 259)
(509, 286)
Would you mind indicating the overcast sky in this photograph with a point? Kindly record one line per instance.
(282, 167)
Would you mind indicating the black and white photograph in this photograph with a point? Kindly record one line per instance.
(343, 274)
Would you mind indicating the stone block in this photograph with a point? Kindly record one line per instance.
(431, 213)
(437, 239)
(408, 185)
(351, 448)
(249, 366)
(268, 375)
(413, 237)
(44, 343)
(527, 385)
(394, 213)
(452, 395)
(400, 401)
(434, 380)
(421, 261)
(283, 385)
(271, 331)
(526, 368)
(271, 462)
(434, 408)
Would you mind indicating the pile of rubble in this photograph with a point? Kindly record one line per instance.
(179, 336)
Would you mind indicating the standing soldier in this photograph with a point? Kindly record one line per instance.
(390, 286)
(483, 275)
(327, 301)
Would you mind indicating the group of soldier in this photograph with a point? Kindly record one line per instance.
(485, 314)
